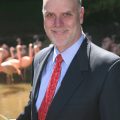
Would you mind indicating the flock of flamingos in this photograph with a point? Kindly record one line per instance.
(17, 62)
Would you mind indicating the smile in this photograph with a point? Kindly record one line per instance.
(59, 32)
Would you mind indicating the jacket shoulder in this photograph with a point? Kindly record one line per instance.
(99, 54)
(100, 59)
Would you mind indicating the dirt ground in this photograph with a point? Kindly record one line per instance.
(13, 98)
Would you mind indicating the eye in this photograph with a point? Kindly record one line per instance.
(49, 15)
(67, 14)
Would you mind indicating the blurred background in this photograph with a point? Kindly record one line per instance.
(22, 36)
(23, 18)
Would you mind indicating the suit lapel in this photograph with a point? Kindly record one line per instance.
(38, 68)
(70, 83)
(38, 72)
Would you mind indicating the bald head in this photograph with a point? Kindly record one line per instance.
(78, 1)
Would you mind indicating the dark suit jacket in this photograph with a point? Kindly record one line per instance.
(90, 89)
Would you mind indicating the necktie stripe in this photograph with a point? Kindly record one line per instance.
(51, 89)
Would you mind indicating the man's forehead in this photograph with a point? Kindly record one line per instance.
(57, 8)
(63, 3)
(45, 1)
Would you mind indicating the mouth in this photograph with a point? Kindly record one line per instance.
(59, 32)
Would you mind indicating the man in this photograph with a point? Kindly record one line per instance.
(88, 87)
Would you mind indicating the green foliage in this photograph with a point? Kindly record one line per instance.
(93, 6)
(102, 11)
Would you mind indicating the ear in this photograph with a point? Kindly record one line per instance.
(81, 15)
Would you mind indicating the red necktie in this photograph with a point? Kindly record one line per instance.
(51, 89)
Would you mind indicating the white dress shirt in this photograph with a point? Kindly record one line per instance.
(67, 56)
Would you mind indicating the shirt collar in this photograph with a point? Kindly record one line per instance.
(70, 52)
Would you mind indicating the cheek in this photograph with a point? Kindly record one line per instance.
(73, 22)
(69, 24)
(48, 23)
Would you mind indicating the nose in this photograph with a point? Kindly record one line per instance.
(58, 22)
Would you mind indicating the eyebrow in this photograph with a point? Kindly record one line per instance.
(45, 11)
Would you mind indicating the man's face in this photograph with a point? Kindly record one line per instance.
(62, 21)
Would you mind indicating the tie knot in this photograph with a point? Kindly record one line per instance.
(59, 58)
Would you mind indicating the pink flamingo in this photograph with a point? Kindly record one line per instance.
(12, 60)
(25, 61)
(36, 49)
(8, 68)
